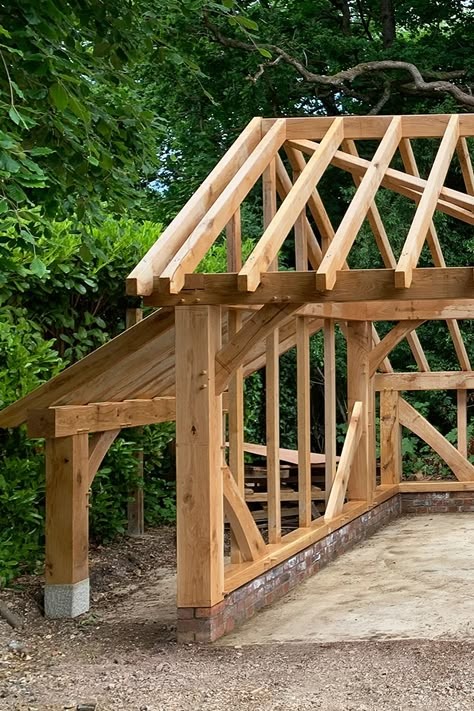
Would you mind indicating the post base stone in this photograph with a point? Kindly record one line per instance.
(66, 600)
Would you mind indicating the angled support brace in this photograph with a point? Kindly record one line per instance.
(243, 526)
(388, 343)
(235, 351)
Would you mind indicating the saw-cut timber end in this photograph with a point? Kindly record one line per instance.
(248, 282)
(403, 278)
(324, 281)
(139, 286)
(166, 285)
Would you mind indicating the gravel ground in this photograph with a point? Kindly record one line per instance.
(111, 660)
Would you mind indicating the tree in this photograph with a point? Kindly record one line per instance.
(75, 136)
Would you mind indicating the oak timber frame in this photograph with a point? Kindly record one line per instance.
(188, 360)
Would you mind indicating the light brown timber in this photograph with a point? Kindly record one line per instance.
(248, 537)
(207, 230)
(199, 483)
(349, 449)
(99, 445)
(329, 403)
(360, 389)
(67, 518)
(462, 421)
(140, 281)
(268, 245)
(435, 380)
(421, 222)
(390, 438)
(347, 231)
(236, 383)
(410, 418)
(65, 420)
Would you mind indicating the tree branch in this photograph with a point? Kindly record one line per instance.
(426, 82)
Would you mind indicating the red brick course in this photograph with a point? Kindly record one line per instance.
(438, 502)
(206, 624)
(203, 624)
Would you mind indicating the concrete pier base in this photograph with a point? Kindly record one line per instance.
(66, 600)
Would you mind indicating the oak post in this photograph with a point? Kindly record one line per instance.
(360, 388)
(462, 421)
(236, 383)
(329, 404)
(66, 591)
(272, 376)
(390, 438)
(199, 485)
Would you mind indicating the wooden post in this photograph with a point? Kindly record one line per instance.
(199, 485)
(272, 381)
(236, 384)
(135, 507)
(67, 525)
(329, 404)
(303, 385)
(360, 387)
(462, 422)
(390, 438)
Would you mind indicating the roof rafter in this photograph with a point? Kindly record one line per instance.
(187, 258)
(419, 227)
(269, 244)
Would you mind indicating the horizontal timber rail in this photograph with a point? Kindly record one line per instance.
(449, 283)
(435, 380)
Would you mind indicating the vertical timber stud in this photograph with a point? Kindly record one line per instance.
(236, 384)
(66, 592)
(303, 386)
(462, 422)
(329, 405)
(135, 507)
(199, 485)
(272, 376)
(390, 438)
(360, 387)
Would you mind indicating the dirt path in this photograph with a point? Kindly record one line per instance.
(119, 657)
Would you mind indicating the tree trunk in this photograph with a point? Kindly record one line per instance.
(388, 22)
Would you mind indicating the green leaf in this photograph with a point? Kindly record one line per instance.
(40, 151)
(264, 52)
(58, 96)
(38, 267)
(246, 22)
(14, 115)
(3, 206)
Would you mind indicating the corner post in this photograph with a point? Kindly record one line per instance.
(199, 458)
(360, 387)
(66, 592)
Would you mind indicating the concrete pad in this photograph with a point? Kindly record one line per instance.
(413, 579)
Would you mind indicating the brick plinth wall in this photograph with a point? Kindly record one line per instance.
(206, 624)
(445, 502)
